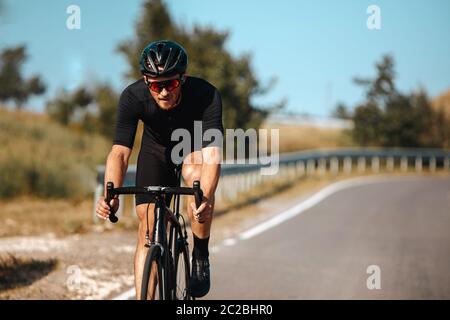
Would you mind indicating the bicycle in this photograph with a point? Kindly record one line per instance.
(167, 266)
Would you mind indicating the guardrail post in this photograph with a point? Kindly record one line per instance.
(218, 193)
(446, 163)
(300, 168)
(418, 164)
(311, 167)
(232, 189)
(404, 164)
(432, 164)
(390, 164)
(375, 164)
(293, 170)
(229, 186)
(133, 208)
(334, 166)
(240, 182)
(281, 171)
(252, 179)
(361, 164)
(347, 165)
(245, 181)
(97, 193)
(259, 177)
(322, 166)
(119, 212)
(288, 171)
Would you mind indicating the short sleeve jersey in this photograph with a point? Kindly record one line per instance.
(200, 101)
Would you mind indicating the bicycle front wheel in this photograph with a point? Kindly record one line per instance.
(154, 281)
(182, 269)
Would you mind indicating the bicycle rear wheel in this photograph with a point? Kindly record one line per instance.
(154, 281)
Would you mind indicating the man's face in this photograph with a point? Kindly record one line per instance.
(163, 95)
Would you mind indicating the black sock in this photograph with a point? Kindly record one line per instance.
(201, 248)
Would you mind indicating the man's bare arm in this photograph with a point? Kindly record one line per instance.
(117, 164)
(115, 169)
(210, 171)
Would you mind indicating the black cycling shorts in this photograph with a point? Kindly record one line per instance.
(154, 168)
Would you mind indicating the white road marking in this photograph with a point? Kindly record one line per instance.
(214, 249)
(127, 295)
(229, 242)
(307, 204)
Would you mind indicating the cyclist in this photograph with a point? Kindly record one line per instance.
(165, 99)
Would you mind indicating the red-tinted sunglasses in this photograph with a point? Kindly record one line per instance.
(169, 85)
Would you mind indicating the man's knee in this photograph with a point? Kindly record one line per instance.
(142, 209)
(191, 172)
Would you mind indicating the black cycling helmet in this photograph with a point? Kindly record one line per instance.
(163, 58)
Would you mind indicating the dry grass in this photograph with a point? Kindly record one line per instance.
(41, 158)
(27, 216)
(296, 138)
(442, 102)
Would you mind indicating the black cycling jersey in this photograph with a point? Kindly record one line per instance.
(200, 101)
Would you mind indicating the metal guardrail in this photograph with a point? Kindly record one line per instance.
(239, 178)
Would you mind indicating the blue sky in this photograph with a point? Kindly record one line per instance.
(313, 48)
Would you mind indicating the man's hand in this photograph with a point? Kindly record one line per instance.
(102, 209)
(204, 212)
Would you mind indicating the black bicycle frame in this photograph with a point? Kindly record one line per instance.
(161, 212)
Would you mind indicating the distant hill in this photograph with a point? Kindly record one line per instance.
(286, 119)
(302, 132)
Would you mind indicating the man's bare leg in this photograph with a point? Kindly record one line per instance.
(200, 279)
(191, 171)
(141, 250)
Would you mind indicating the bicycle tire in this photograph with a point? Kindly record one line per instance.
(154, 269)
(182, 267)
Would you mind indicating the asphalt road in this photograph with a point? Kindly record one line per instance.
(400, 224)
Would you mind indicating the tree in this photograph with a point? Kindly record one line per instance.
(90, 110)
(12, 84)
(367, 124)
(64, 106)
(208, 58)
(382, 88)
(341, 112)
(106, 100)
(389, 118)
